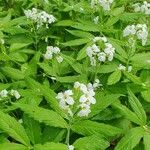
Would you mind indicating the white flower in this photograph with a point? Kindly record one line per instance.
(15, 93)
(122, 67)
(39, 17)
(77, 85)
(56, 50)
(129, 30)
(96, 19)
(102, 57)
(70, 147)
(95, 52)
(106, 4)
(129, 68)
(4, 93)
(140, 31)
(85, 110)
(144, 8)
(93, 61)
(65, 99)
(51, 51)
(59, 59)
(97, 84)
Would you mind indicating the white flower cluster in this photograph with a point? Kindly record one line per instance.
(51, 51)
(40, 18)
(144, 8)
(139, 30)
(70, 147)
(94, 52)
(124, 68)
(4, 93)
(106, 4)
(85, 99)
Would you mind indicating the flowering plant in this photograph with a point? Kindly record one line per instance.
(74, 75)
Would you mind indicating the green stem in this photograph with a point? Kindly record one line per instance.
(68, 134)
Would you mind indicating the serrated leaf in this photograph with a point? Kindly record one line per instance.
(103, 101)
(131, 139)
(73, 63)
(33, 129)
(93, 142)
(128, 113)
(133, 78)
(137, 107)
(46, 116)
(13, 128)
(50, 146)
(114, 77)
(87, 127)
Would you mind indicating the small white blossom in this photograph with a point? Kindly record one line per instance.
(140, 31)
(122, 67)
(65, 99)
(105, 4)
(85, 98)
(95, 52)
(15, 93)
(129, 68)
(96, 19)
(40, 18)
(70, 147)
(85, 110)
(4, 93)
(144, 8)
(51, 51)
(59, 59)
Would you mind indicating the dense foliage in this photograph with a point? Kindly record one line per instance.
(74, 75)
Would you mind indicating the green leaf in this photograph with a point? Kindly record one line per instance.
(107, 68)
(65, 23)
(87, 127)
(93, 142)
(13, 128)
(81, 34)
(76, 42)
(47, 92)
(13, 73)
(46, 116)
(73, 63)
(32, 128)
(128, 113)
(137, 107)
(131, 139)
(16, 46)
(50, 146)
(146, 141)
(86, 26)
(103, 101)
(133, 78)
(144, 62)
(114, 77)
(146, 95)
(12, 146)
(47, 68)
